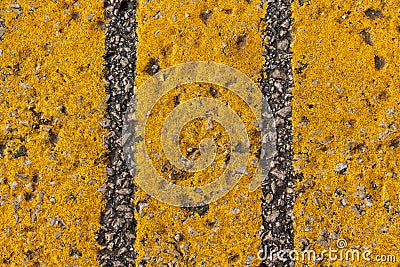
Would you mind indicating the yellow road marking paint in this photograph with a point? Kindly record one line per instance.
(172, 32)
(51, 103)
(346, 126)
(239, 146)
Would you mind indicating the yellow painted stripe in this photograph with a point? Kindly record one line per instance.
(346, 126)
(51, 103)
(171, 32)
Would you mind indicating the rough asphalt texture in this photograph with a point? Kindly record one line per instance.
(277, 84)
(117, 232)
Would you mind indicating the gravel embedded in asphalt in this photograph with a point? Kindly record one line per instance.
(277, 84)
(117, 233)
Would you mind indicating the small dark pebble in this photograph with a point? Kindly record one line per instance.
(302, 66)
(398, 28)
(374, 186)
(342, 171)
(357, 147)
(338, 192)
(177, 175)
(379, 62)
(374, 13)
(241, 40)
(101, 24)
(164, 169)
(382, 95)
(305, 119)
(53, 138)
(177, 100)
(30, 254)
(228, 11)
(367, 37)
(2, 148)
(153, 67)
(201, 210)
(258, 153)
(76, 15)
(74, 251)
(28, 196)
(351, 122)
(395, 143)
(210, 224)
(228, 158)
(213, 91)
(233, 258)
(21, 152)
(63, 110)
(205, 16)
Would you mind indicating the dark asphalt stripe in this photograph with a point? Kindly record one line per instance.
(117, 233)
(277, 84)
